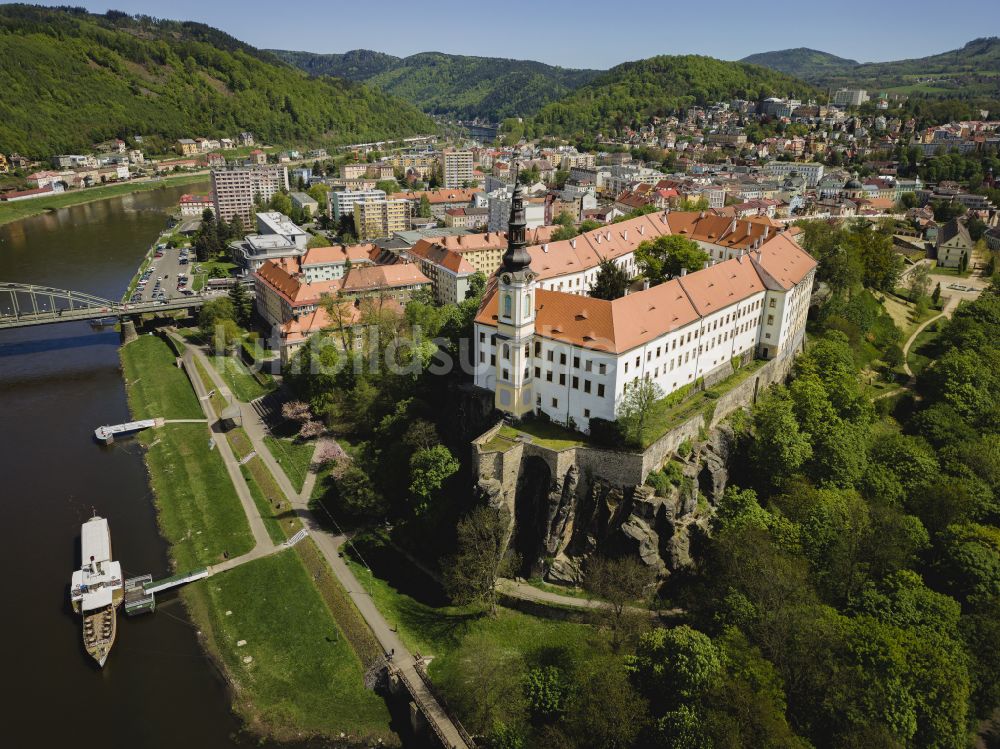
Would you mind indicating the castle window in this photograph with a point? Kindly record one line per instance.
(586, 413)
(562, 379)
(506, 351)
(506, 374)
(586, 386)
(771, 304)
(602, 368)
(576, 383)
(555, 403)
(600, 390)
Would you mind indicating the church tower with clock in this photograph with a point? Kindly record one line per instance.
(515, 318)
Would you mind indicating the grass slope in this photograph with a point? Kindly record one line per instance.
(156, 387)
(22, 209)
(91, 77)
(304, 678)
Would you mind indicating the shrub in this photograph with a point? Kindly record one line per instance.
(659, 482)
(606, 433)
(683, 449)
(673, 471)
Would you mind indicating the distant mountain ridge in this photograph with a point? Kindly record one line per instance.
(468, 87)
(970, 70)
(69, 78)
(802, 62)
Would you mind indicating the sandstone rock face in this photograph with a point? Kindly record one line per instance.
(561, 520)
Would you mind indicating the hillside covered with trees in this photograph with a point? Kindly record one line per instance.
(69, 78)
(972, 70)
(629, 94)
(491, 88)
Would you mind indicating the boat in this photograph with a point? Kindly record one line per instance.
(97, 589)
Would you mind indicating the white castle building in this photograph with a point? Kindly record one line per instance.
(545, 346)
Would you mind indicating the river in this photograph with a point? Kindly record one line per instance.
(57, 383)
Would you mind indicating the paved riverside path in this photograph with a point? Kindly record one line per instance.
(526, 592)
(330, 545)
(261, 539)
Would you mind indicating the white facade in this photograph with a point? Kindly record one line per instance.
(235, 189)
(456, 168)
(811, 172)
(342, 202)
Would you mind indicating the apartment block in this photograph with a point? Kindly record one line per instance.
(456, 168)
(235, 188)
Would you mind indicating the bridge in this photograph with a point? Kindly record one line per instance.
(22, 305)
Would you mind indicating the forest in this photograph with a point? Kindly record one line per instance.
(90, 77)
(629, 95)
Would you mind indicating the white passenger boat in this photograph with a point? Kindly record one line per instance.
(97, 589)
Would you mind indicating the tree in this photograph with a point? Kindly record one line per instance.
(242, 304)
(635, 408)
(429, 468)
(608, 712)
(936, 295)
(388, 186)
(485, 686)
(424, 209)
(281, 203)
(213, 312)
(481, 559)
(548, 692)
(779, 447)
(356, 495)
(675, 663)
(621, 583)
(477, 284)
(664, 257)
(611, 282)
(919, 282)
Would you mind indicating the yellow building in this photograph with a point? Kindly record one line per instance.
(375, 218)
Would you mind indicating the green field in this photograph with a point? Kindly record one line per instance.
(199, 513)
(157, 388)
(304, 678)
(24, 208)
(294, 455)
(414, 604)
(243, 385)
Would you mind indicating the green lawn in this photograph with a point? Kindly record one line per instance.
(416, 606)
(156, 387)
(939, 270)
(199, 513)
(22, 209)
(239, 379)
(280, 522)
(544, 433)
(294, 455)
(672, 411)
(303, 677)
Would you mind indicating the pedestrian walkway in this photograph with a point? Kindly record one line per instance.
(329, 544)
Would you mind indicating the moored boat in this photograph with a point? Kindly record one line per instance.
(97, 589)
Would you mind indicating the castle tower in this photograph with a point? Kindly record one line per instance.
(515, 318)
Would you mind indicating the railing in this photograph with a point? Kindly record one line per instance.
(419, 668)
(430, 719)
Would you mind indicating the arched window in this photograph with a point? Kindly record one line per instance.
(506, 351)
(527, 305)
(506, 305)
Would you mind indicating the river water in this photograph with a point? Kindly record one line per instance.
(57, 383)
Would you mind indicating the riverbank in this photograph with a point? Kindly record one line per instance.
(24, 208)
(269, 623)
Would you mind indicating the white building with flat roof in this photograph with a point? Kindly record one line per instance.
(235, 189)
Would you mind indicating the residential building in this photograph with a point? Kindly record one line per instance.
(342, 202)
(258, 157)
(448, 271)
(954, 242)
(396, 282)
(375, 218)
(4, 166)
(331, 263)
(850, 97)
(235, 188)
(305, 203)
(467, 218)
(187, 147)
(572, 357)
(195, 205)
(246, 139)
(456, 168)
(440, 200)
(499, 211)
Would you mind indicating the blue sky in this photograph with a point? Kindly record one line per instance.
(588, 33)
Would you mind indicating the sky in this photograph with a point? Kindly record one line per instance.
(589, 33)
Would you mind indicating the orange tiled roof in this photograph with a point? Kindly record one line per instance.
(782, 260)
(283, 276)
(370, 277)
(436, 197)
(722, 284)
(432, 251)
(356, 253)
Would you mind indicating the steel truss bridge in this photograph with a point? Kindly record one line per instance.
(22, 305)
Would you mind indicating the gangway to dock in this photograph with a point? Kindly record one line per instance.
(106, 434)
(166, 583)
(137, 600)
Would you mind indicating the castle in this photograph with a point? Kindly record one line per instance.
(572, 357)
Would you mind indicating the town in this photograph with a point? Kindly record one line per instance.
(443, 401)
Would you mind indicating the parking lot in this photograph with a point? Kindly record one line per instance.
(167, 277)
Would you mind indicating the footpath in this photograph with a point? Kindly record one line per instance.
(401, 660)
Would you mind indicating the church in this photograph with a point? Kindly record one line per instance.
(572, 357)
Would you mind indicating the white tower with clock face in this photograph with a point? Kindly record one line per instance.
(515, 318)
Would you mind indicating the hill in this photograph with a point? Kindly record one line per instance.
(970, 71)
(630, 93)
(490, 88)
(802, 62)
(69, 78)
